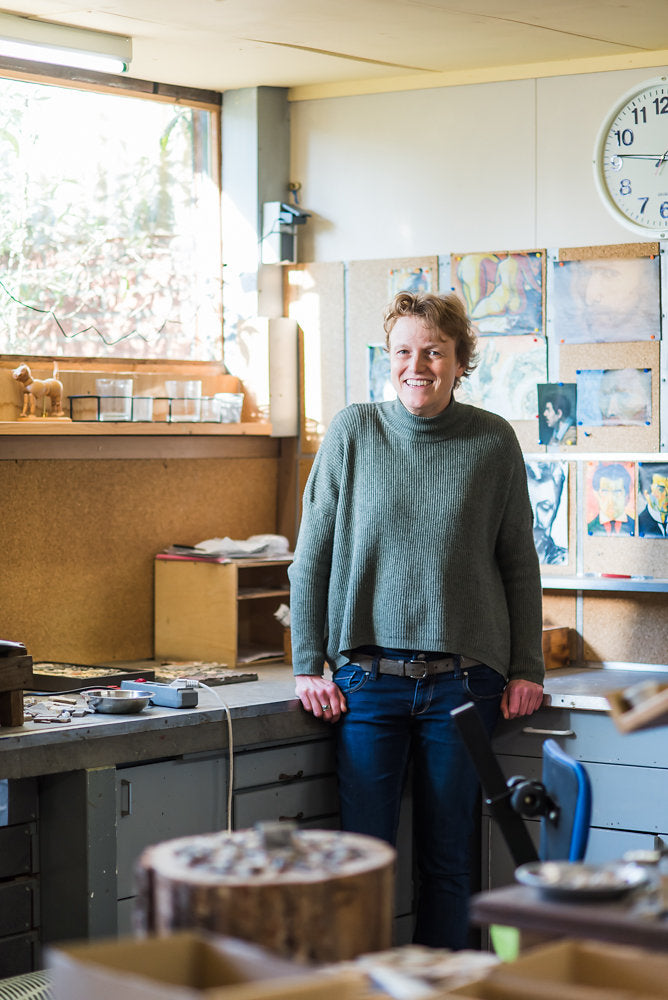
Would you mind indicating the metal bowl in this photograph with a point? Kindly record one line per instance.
(117, 702)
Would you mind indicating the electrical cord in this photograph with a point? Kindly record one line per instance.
(190, 682)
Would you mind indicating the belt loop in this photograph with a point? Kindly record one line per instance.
(374, 668)
(458, 666)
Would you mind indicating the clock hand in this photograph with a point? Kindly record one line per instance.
(658, 157)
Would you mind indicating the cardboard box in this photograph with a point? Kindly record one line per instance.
(645, 714)
(188, 966)
(575, 970)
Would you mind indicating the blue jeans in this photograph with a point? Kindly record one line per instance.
(391, 720)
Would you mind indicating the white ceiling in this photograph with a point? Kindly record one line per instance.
(227, 44)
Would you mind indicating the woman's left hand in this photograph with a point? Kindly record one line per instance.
(521, 698)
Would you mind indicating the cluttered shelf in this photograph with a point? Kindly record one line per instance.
(57, 428)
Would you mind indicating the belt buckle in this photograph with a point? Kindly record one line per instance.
(418, 662)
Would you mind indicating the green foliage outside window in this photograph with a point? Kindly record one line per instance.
(109, 226)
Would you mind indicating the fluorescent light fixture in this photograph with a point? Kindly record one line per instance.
(64, 45)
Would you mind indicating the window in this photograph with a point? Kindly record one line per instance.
(109, 226)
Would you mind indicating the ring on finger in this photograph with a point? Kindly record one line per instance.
(325, 707)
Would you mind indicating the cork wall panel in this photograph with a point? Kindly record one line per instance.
(368, 295)
(642, 355)
(559, 608)
(78, 540)
(633, 555)
(626, 628)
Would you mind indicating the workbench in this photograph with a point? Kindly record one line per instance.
(85, 798)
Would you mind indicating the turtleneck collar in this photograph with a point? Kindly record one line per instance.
(444, 425)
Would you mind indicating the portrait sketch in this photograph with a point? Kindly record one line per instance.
(503, 292)
(610, 498)
(548, 490)
(557, 414)
(612, 299)
(614, 397)
(652, 499)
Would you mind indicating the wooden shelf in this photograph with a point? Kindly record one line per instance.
(610, 583)
(57, 427)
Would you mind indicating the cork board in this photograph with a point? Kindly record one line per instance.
(79, 539)
(645, 355)
(633, 555)
(626, 250)
(368, 295)
(559, 608)
(621, 627)
(314, 297)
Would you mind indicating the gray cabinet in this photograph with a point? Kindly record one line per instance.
(628, 773)
(19, 879)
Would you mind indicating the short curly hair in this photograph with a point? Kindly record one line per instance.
(444, 313)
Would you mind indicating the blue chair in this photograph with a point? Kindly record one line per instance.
(562, 799)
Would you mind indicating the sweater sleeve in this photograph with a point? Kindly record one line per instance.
(520, 571)
(309, 572)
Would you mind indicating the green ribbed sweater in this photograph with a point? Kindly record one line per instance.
(416, 533)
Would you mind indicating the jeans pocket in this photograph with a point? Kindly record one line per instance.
(483, 684)
(350, 678)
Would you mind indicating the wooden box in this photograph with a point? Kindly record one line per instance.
(556, 646)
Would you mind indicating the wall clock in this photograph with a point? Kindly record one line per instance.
(631, 159)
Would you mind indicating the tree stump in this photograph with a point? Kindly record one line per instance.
(312, 895)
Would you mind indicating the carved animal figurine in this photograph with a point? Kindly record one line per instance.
(36, 391)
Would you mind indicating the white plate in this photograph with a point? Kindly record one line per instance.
(578, 881)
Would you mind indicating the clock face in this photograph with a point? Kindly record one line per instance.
(631, 159)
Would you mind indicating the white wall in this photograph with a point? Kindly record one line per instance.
(484, 167)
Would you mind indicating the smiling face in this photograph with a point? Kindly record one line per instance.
(423, 366)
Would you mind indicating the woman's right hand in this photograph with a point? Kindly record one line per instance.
(320, 696)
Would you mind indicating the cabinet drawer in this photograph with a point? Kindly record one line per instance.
(298, 801)
(18, 801)
(17, 850)
(17, 906)
(623, 798)
(284, 763)
(18, 954)
(586, 736)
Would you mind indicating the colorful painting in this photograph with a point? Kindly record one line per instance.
(616, 397)
(410, 279)
(610, 498)
(503, 292)
(612, 299)
(505, 380)
(548, 491)
(652, 499)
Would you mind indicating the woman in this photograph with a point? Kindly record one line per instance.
(416, 580)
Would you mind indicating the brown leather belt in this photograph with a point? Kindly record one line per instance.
(415, 669)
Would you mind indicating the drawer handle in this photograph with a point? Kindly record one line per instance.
(548, 732)
(126, 797)
(290, 777)
(291, 819)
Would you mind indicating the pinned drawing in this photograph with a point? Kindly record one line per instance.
(503, 292)
(619, 397)
(548, 490)
(410, 279)
(380, 385)
(612, 299)
(653, 499)
(556, 414)
(610, 498)
(506, 377)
